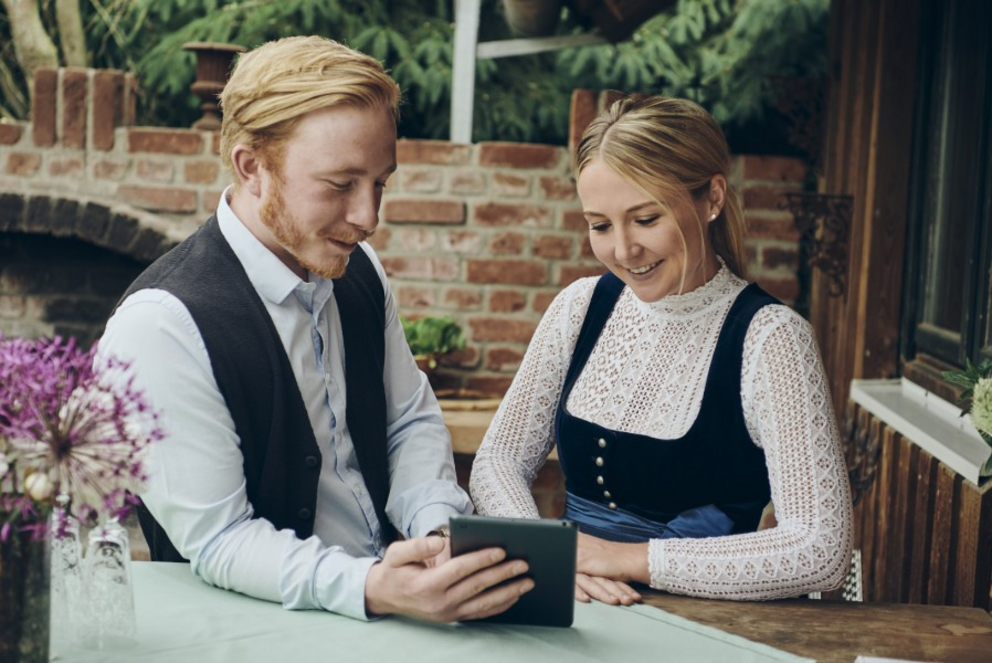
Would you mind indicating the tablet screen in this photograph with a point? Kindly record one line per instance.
(548, 547)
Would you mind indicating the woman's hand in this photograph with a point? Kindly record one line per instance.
(604, 590)
(619, 562)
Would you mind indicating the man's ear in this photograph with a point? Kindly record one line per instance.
(718, 194)
(248, 169)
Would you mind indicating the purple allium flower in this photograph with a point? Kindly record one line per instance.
(73, 424)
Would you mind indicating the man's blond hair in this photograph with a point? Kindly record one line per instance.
(276, 84)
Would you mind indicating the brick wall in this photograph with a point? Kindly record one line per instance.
(486, 233)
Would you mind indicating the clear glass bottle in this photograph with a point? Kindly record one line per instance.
(67, 577)
(109, 620)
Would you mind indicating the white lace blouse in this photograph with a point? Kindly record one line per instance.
(646, 376)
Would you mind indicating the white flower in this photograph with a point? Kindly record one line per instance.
(981, 405)
(38, 486)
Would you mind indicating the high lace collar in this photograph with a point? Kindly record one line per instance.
(724, 284)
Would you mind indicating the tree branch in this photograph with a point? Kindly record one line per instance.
(32, 45)
(71, 33)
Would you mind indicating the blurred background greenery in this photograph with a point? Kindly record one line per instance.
(729, 55)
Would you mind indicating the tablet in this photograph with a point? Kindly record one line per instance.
(548, 547)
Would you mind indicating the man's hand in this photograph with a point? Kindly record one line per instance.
(604, 568)
(414, 579)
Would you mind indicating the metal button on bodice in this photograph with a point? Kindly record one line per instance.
(305, 513)
(612, 505)
(602, 443)
(311, 461)
(607, 494)
(599, 461)
(599, 480)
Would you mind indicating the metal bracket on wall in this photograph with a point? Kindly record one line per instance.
(824, 223)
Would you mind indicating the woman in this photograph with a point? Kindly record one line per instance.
(680, 397)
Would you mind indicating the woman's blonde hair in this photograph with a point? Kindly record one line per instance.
(669, 149)
(275, 85)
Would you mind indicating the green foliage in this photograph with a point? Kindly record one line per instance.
(718, 52)
(967, 378)
(432, 336)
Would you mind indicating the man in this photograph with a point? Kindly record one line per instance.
(299, 431)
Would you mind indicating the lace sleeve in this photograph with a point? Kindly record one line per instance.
(521, 434)
(789, 414)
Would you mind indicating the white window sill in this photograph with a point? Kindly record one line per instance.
(927, 420)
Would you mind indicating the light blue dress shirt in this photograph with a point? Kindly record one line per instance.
(197, 488)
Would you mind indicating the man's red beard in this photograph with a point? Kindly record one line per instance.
(283, 225)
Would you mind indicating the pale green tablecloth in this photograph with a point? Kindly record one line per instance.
(182, 619)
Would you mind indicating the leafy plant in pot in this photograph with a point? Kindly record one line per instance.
(430, 337)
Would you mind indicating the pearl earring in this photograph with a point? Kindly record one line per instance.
(712, 217)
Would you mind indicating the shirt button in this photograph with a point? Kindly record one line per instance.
(304, 513)
(613, 505)
(599, 480)
(602, 443)
(599, 461)
(311, 461)
(606, 494)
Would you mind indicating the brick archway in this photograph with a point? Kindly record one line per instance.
(107, 224)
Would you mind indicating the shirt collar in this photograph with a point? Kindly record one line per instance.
(272, 279)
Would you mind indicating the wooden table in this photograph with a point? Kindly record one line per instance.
(839, 631)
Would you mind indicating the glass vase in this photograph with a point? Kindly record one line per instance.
(24, 596)
(67, 579)
(108, 604)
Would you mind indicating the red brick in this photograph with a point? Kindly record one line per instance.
(108, 107)
(771, 168)
(518, 155)
(159, 199)
(74, 84)
(503, 359)
(10, 133)
(215, 143)
(773, 225)
(507, 301)
(421, 268)
(432, 151)
(467, 184)
(421, 181)
(502, 330)
(69, 167)
(572, 273)
(558, 188)
(467, 357)
(463, 298)
(130, 105)
(574, 219)
(510, 186)
(507, 243)
(489, 384)
(585, 249)
(461, 241)
(109, 170)
(553, 247)
(380, 239)
(210, 199)
(406, 210)
(23, 163)
(204, 171)
(165, 141)
(785, 289)
(410, 296)
(542, 300)
(414, 240)
(154, 171)
(521, 272)
(777, 257)
(501, 214)
(761, 197)
(43, 107)
(581, 113)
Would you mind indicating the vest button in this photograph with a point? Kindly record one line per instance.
(606, 494)
(602, 443)
(599, 461)
(599, 480)
(304, 513)
(612, 505)
(311, 461)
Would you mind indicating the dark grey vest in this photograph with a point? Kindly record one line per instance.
(281, 458)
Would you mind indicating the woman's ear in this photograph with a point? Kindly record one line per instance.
(717, 196)
(247, 168)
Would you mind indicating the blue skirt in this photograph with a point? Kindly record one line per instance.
(626, 527)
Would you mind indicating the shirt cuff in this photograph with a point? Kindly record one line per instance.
(429, 518)
(339, 584)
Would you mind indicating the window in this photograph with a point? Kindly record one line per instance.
(947, 284)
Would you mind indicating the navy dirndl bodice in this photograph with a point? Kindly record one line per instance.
(714, 463)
